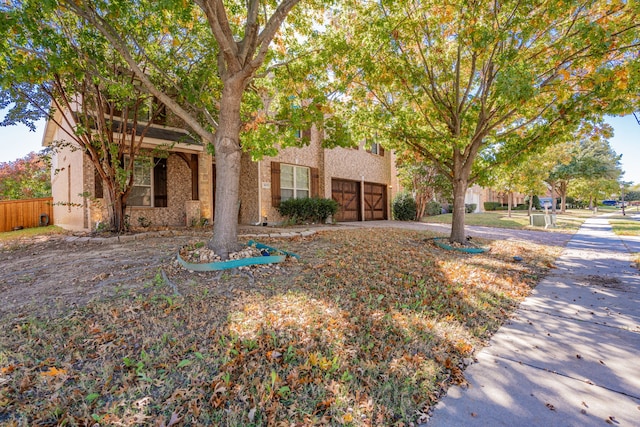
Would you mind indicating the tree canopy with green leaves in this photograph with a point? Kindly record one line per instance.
(239, 74)
(231, 70)
(52, 66)
(468, 85)
(591, 159)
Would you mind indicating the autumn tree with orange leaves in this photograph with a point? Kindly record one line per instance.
(25, 178)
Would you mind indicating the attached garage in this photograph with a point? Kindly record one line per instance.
(347, 194)
(375, 201)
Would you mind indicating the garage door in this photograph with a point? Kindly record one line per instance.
(375, 201)
(347, 194)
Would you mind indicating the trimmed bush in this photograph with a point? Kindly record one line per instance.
(433, 208)
(310, 209)
(404, 207)
(470, 207)
(491, 206)
(536, 203)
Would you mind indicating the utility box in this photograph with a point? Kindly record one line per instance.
(543, 220)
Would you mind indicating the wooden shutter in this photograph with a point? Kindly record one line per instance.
(275, 184)
(195, 176)
(380, 150)
(160, 183)
(306, 134)
(315, 182)
(98, 189)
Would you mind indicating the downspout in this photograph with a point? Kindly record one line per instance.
(259, 193)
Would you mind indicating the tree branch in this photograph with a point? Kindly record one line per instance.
(269, 31)
(119, 45)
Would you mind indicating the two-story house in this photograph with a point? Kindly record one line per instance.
(179, 189)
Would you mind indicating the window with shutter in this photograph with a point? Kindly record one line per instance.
(160, 198)
(315, 182)
(275, 184)
(98, 189)
(149, 183)
(295, 182)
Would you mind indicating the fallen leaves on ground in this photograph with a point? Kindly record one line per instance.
(369, 328)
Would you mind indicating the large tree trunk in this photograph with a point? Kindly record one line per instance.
(553, 197)
(563, 196)
(530, 204)
(116, 209)
(457, 222)
(509, 203)
(228, 161)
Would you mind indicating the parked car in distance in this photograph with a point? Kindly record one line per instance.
(546, 202)
(609, 202)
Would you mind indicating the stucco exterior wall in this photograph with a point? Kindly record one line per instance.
(67, 187)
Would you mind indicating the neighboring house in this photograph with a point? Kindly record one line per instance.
(479, 195)
(179, 190)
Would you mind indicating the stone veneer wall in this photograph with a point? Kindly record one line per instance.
(249, 189)
(205, 186)
(178, 193)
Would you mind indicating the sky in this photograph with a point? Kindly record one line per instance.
(17, 141)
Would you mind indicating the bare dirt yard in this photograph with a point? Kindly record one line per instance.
(42, 275)
(46, 275)
(369, 327)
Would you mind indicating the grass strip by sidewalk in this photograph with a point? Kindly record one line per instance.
(568, 222)
(369, 328)
(623, 226)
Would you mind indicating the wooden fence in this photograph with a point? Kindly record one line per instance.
(25, 213)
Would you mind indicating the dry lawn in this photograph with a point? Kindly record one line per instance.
(370, 327)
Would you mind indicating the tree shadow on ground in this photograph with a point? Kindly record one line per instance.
(369, 328)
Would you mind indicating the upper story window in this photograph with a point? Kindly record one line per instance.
(294, 182)
(150, 111)
(375, 148)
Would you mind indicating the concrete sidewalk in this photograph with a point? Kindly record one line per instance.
(571, 354)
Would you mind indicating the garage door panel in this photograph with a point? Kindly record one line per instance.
(347, 194)
(375, 201)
